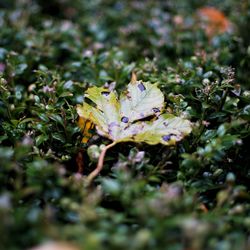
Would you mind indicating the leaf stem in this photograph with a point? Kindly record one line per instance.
(223, 99)
(99, 166)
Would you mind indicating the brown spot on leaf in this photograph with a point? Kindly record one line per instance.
(125, 119)
(156, 110)
(142, 115)
(166, 137)
(141, 87)
(165, 124)
(105, 93)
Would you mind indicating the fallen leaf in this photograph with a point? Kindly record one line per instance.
(214, 21)
(123, 119)
(119, 120)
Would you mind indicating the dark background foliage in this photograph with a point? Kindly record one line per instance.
(192, 196)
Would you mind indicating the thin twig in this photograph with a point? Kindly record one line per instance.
(99, 166)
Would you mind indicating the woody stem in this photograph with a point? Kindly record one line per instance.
(99, 166)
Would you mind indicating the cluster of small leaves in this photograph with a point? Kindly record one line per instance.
(194, 195)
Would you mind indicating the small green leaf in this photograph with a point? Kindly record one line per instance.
(41, 138)
(57, 118)
(58, 137)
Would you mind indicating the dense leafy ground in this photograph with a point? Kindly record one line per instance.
(194, 195)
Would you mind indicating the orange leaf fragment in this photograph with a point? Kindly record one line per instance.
(86, 126)
(214, 21)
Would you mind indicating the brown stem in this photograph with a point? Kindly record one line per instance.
(99, 166)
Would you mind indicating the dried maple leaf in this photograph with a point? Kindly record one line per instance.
(123, 119)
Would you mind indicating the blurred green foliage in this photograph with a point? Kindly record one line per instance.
(193, 196)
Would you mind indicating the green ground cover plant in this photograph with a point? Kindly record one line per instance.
(188, 196)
